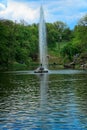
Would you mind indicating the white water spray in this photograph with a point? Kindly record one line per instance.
(42, 40)
(42, 45)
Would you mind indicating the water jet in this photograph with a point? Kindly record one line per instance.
(42, 45)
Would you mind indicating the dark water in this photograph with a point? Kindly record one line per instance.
(55, 101)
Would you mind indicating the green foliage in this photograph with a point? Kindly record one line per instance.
(57, 32)
(18, 66)
(69, 50)
(78, 42)
(80, 32)
(19, 41)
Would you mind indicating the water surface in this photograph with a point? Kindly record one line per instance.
(54, 101)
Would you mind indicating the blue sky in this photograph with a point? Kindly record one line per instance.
(68, 11)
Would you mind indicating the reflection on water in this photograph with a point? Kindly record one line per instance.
(43, 102)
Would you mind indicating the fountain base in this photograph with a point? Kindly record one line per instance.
(41, 70)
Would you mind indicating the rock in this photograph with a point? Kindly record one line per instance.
(84, 66)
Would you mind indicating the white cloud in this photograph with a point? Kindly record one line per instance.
(2, 6)
(69, 11)
(19, 10)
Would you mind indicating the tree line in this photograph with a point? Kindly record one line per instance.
(19, 41)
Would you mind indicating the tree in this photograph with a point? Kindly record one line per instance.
(83, 21)
(80, 32)
(56, 32)
(5, 44)
(69, 50)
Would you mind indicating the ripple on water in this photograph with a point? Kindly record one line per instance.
(28, 102)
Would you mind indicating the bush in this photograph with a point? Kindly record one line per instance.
(69, 50)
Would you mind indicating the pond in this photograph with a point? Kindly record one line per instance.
(54, 101)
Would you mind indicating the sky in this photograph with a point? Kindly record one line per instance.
(68, 11)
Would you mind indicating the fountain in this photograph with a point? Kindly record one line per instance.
(42, 45)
